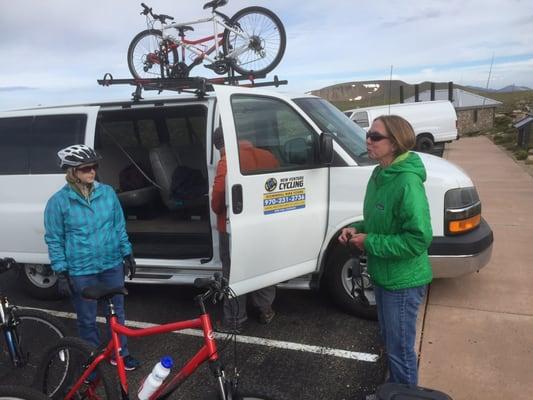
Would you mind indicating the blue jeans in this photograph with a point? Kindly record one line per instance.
(86, 309)
(397, 313)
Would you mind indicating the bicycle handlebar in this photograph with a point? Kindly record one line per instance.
(161, 17)
(216, 282)
(217, 287)
(147, 10)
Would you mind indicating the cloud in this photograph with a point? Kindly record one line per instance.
(422, 16)
(14, 88)
(65, 45)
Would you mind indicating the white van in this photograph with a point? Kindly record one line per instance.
(432, 121)
(284, 223)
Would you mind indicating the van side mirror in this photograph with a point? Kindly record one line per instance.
(325, 148)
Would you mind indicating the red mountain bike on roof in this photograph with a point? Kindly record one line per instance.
(71, 369)
(252, 42)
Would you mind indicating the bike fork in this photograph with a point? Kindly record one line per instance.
(218, 372)
(10, 335)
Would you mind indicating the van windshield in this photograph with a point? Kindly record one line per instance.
(347, 133)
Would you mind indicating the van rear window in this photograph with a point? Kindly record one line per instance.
(29, 145)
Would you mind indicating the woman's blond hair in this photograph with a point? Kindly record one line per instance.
(400, 131)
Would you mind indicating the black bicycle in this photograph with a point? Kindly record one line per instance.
(26, 332)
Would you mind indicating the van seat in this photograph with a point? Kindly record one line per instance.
(163, 164)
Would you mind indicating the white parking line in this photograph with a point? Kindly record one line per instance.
(352, 355)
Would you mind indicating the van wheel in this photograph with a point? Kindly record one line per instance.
(39, 281)
(341, 266)
(424, 144)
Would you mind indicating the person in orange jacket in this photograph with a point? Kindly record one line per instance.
(251, 159)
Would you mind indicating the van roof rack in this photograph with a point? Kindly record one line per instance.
(196, 85)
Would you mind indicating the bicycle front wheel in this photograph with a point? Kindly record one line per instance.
(28, 334)
(149, 56)
(62, 366)
(259, 42)
(20, 393)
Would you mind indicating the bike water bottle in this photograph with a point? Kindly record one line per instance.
(155, 378)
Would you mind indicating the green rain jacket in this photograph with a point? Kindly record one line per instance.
(398, 225)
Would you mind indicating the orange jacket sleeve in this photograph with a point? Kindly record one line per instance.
(218, 199)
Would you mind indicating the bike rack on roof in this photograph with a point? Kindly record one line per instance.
(196, 85)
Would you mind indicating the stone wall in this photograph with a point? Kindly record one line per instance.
(465, 120)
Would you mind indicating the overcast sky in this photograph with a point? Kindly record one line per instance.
(53, 51)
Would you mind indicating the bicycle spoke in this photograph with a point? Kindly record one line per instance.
(263, 39)
(65, 363)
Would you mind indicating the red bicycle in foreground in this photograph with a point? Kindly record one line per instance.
(71, 369)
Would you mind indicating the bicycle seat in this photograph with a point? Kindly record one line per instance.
(215, 3)
(99, 292)
(184, 28)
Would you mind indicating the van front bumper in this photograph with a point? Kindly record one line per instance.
(453, 256)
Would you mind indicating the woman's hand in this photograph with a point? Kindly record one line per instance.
(346, 234)
(130, 266)
(358, 240)
(63, 284)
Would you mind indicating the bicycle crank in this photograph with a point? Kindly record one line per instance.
(219, 67)
(179, 70)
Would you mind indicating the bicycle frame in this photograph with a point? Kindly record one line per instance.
(10, 337)
(208, 352)
(216, 37)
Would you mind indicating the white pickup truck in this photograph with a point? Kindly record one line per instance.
(432, 121)
(284, 222)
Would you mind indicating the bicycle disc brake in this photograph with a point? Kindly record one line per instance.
(257, 45)
(358, 281)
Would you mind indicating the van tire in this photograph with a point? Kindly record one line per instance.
(338, 281)
(424, 143)
(39, 281)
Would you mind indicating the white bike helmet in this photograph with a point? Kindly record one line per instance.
(76, 155)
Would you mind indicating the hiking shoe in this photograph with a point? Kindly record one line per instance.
(267, 317)
(130, 363)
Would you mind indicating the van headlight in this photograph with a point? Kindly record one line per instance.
(462, 210)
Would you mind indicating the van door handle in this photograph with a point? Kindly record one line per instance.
(236, 199)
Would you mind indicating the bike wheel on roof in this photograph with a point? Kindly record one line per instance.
(149, 56)
(260, 46)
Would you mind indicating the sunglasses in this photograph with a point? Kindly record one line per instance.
(87, 168)
(375, 136)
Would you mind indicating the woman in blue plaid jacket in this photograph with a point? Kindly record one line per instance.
(87, 241)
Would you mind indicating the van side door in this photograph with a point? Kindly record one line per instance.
(277, 210)
(30, 172)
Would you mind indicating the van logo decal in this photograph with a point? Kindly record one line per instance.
(289, 196)
(271, 184)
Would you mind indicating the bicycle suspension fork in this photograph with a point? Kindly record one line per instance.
(10, 335)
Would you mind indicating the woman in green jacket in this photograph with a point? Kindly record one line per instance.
(395, 235)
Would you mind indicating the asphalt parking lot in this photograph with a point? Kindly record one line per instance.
(310, 350)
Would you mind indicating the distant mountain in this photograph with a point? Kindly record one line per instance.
(357, 94)
(369, 93)
(506, 89)
(513, 88)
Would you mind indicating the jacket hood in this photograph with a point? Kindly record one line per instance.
(409, 162)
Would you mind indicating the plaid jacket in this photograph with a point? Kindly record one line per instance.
(85, 237)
